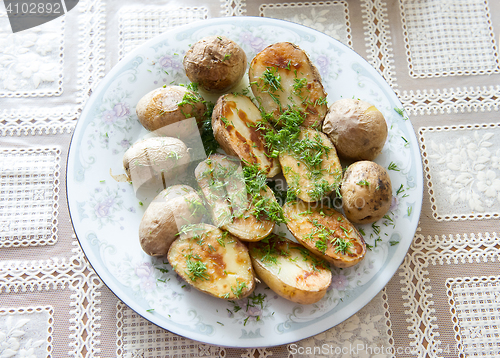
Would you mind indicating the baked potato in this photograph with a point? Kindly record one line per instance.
(290, 270)
(171, 209)
(239, 129)
(155, 161)
(166, 109)
(282, 77)
(366, 192)
(232, 207)
(310, 166)
(213, 261)
(357, 129)
(326, 233)
(216, 63)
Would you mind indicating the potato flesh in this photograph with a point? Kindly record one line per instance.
(321, 229)
(249, 228)
(234, 120)
(308, 186)
(228, 199)
(222, 264)
(292, 273)
(291, 65)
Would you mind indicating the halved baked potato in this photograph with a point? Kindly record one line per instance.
(240, 130)
(311, 166)
(213, 261)
(290, 270)
(233, 208)
(326, 233)
(282, 76)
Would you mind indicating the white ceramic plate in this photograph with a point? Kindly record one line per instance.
(106, 213)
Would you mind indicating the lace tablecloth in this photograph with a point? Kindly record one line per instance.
(440, 57)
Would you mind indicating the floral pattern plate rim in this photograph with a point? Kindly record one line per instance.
(106, 214)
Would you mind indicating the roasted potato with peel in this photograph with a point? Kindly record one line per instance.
(155, 161)
(213, 261)
(311, 166)
(326, 233)
(216, 63)
(357, 129)
(290, 270)
(366, 192)
(282, 76)
(165, 110)
(172, 208)
(239, 129)
(232, 206)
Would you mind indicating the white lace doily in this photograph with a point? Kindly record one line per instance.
(139, 23)
(29, 187)
(462, 166)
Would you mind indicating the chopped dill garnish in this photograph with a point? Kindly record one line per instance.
(264, 206)
(239, 289)
(271, 79)
(197, 269)
(393, 166)
(363, 183)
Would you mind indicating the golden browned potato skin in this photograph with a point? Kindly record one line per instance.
(366, 192)
(229, 273)
(173, 207)
(159, 111)
(307, 223)
(291, 63)
(357, 129)
(216, 63)
(234, 122)
(298, 177)
(295, 275)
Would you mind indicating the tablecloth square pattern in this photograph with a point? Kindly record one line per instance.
(233, 7)
(462, 168)
(313, 14)
(31, 62)
(366, 333)
(26, 331)
(36, 64)
(331, 18)
(29, 188)
(437, 97)
(475, 307)
(138, 24)
(70, 287)
(137, 337)
(448, 38)
(419, 270)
